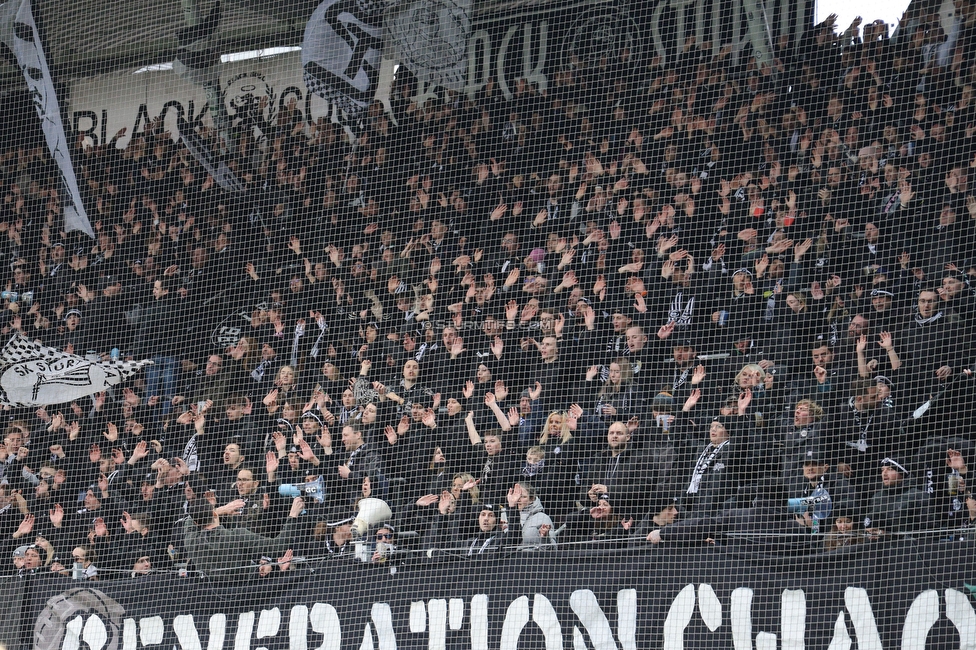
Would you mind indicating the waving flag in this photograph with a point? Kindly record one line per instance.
(19, 31)
(34, 375)
(341, 52)
(431, 39)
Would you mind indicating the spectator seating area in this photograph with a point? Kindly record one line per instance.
(609, 313)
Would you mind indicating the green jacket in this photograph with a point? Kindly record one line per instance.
(219, 551)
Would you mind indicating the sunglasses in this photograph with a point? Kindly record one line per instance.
(384, 535)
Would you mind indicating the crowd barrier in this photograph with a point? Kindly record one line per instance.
(898, 593)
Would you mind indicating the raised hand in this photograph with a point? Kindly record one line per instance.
(535, 391)
(761, 265)
(57, 515)
(497, 346)
(305, 451)
(511, 310)
(279, 440)
(284, 562)
(501, 391)
(885, 341)
(666, 330)
(744, 400)
(640, 304)
(692, 400)
(573, 414)
(667, 269)
(141, 451)
(821, 374)
(514, 494)
(25, 527)
(513, 417)
(589, 317)
(801, 249)
(600, 285)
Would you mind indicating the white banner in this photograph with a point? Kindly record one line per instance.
(19, 32)
(431, 39)
(34, 375)
(341, 53)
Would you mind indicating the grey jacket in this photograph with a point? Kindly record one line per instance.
(530, 519)
(218, 551)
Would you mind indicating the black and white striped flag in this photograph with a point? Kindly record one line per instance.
(35, 375)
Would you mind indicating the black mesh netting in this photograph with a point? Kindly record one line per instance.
(656, 331)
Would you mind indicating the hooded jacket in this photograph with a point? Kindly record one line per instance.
(530, 519)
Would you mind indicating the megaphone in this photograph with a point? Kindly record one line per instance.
(313, 489)
(371, 512)
(819, 504)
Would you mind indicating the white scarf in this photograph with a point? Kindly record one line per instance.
(704, 461)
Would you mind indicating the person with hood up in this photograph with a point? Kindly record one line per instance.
(489, 537)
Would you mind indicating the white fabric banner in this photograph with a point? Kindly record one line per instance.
(35, 375)
(341, 53)
(19, 32)
(431, 39)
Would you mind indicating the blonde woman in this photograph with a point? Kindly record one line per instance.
(286, 389)
(560, 454)
(467, 495)
(556, 429)
(759, 383)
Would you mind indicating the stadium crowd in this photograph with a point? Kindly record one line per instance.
(650, 303)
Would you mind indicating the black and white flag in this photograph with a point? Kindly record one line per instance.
(197, 54)
(217, 168)
(431, 38)
(35, 375)
(19, 31)
(341, 52)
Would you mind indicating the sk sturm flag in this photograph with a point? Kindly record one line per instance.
(34, 375)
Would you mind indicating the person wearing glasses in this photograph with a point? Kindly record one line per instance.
(253, 513)
(385, 544)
